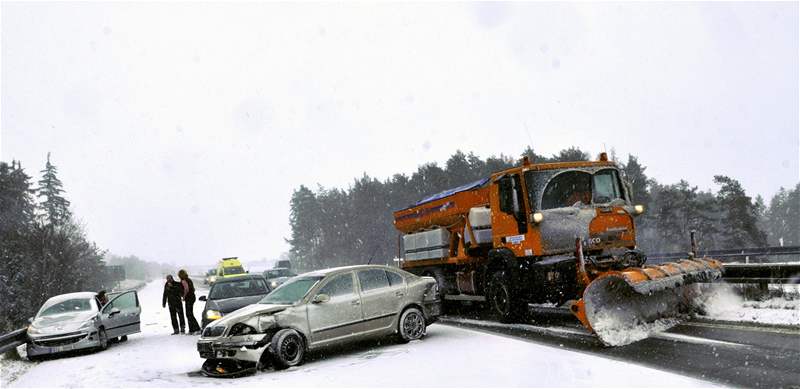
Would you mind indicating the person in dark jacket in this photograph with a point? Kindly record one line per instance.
(172, 295)
(188, 299)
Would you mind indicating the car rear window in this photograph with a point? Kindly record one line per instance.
(394, 278)
(239, 288)
(373, 279)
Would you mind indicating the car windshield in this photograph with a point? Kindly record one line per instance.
(71, 305)
(231, 270)
(292, 291)
(240, 288)
(278, 273)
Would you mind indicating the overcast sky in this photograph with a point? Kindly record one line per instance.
(180, 129)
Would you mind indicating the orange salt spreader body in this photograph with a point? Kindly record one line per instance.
(554, 234)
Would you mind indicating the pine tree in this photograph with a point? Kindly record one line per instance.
(54, 207)
(740, 215)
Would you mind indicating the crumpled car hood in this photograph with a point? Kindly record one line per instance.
(246, 312)
(65, 322)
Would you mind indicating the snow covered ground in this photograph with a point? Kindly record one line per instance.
(447, 357)
(726, 305)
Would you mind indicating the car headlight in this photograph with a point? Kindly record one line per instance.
(266, 322)
(213, 315)
(212, 279)
(34, 330)
(273, 284)
(241, 329)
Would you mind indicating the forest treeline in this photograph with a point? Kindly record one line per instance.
(334, 227)
(43, 249)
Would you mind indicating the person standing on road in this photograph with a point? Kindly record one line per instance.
(172, 295)
(188, 298)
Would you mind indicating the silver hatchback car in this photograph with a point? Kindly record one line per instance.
(76, 321)
(317, 309)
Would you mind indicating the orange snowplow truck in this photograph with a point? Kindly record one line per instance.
(558, 234)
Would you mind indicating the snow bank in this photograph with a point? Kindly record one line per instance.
(725, 304)
(447, 357)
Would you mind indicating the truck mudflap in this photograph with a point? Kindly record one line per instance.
(628, 305)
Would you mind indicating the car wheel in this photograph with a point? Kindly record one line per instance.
(123, 338)
(411, 325)
(288, 348)
(101, 335)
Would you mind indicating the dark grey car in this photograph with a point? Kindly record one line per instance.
(228, 295)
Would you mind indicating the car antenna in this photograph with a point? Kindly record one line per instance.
(372, 255)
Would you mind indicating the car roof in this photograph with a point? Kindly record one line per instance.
(239, 278)
(70, 296)
(342, 269)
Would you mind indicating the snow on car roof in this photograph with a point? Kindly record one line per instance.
(69, 296)
(325, 272)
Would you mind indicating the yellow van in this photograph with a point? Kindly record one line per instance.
(230, 267)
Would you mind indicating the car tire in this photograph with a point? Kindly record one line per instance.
(288, 348)
(411, 325)
(103, 338)
(123, 338)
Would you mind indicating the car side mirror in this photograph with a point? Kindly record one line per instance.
(113, 312)
(321, 298)
(202, 298)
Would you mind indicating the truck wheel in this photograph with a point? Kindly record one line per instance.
(411, 325)
(501, 301)
(288, 348)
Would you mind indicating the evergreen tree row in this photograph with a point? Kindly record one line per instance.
(335, 227)
(43, 250)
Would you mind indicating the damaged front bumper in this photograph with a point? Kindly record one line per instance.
(56, 344)
(248, 348)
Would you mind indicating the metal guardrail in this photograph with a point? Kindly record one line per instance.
(762, 273)
(727, 255)
(13, 340)
(787, 272)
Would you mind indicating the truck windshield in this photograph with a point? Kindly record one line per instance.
(291, 292)
(576, 188)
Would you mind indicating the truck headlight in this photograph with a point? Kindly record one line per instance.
(537, 217)
(213, 315)
(638, 209)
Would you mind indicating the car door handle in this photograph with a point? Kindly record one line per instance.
(355, 302)
(399, 294)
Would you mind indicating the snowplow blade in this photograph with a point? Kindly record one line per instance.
(625, 306)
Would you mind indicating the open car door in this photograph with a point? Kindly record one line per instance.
(121, 315)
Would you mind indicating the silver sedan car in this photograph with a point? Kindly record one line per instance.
(318, 309)
(76, 321)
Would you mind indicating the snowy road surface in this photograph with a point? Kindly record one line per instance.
(448, 356)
